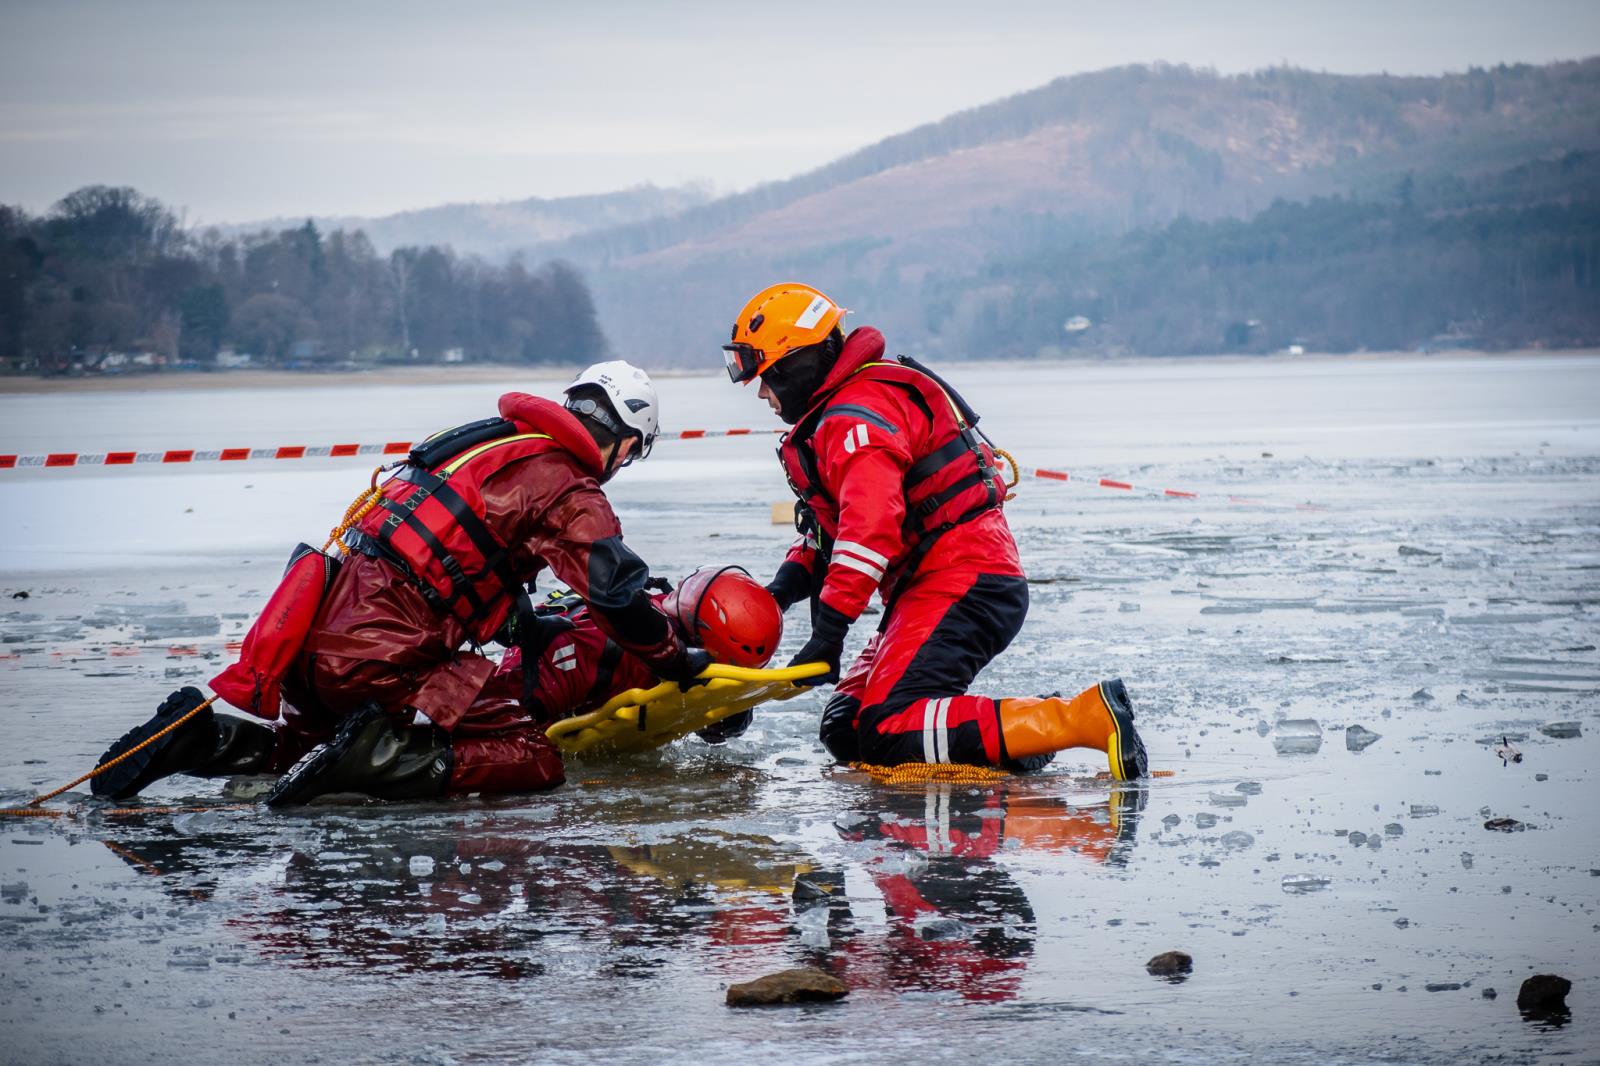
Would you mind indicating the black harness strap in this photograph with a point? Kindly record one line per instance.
(936, 460)
(400, 514)
(605, 671)
(967, 441)
(535, 631)
(496, 556)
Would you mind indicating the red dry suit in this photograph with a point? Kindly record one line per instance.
(580, 668)
(438, 566)
(906, 502)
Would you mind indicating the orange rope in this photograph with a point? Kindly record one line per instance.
(914, 772)
(1016, 472)
(358, 509)
(26, 812)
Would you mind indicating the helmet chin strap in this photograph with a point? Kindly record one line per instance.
(615, 460)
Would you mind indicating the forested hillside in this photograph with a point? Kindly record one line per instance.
(1508, 260)
(496, 230)
(110, 273)
(1148, 200)
(1142, 210)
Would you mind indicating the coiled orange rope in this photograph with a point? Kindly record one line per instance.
(1016, 471)
(915, 772)
(363, 503)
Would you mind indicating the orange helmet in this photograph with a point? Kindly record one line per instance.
(728, 613)
(774, 323)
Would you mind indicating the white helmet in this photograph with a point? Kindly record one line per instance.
(632, 400)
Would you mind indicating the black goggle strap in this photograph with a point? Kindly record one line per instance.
(592, 408)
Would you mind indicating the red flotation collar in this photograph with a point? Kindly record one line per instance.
(535, 414)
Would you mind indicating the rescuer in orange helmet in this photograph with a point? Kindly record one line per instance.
(898, 494)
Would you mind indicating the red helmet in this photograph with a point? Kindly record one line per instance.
(728, 613)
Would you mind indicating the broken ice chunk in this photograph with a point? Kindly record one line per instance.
(1297, 736)
(1562, 730)
(1358, 738)
(1299, 884)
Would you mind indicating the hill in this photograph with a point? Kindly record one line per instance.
(495, 230)
(923, 233)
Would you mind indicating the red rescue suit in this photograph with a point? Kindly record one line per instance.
(437, 566)
(579, 670)
(906, 502)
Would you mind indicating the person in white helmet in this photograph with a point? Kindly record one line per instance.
(388, 693)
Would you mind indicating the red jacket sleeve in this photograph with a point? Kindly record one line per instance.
(863, 449)
(572, 528)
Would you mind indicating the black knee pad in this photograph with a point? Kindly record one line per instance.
(838, 730)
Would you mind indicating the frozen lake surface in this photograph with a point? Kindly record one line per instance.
(1422, 563)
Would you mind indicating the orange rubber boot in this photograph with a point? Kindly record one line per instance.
(1100, 717)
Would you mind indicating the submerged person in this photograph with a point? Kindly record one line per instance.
(898, 494)
(579, 667)
(382, 697)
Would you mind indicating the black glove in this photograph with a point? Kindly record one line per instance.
(790, 585)
(826, 645)
(725, 729)
(685, 668)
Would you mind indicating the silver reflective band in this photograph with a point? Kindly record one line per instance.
(875, 573)
(861, 551)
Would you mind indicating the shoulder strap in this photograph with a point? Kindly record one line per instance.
(435, 485)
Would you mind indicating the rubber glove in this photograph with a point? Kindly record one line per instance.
(790, 585)
(826, 645)
(686, 667)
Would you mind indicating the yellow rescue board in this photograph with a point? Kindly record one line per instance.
(642, 718)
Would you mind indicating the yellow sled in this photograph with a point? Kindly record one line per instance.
(642, 718)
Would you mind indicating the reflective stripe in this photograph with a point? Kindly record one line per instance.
(941, 731)
(936, 821)
(930, 753)
(874, 572)
(455, 464)
(861, 551)
(866, 414)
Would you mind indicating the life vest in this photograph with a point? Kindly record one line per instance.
(430, 520)
(953, 481)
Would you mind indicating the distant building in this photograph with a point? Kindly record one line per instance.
(1076, 324)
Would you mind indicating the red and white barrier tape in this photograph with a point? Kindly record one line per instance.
(401, 447)
(282, 451)
(1171, 494)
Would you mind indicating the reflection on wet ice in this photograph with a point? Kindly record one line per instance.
(505, 897)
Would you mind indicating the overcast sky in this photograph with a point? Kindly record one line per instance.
(241, 111)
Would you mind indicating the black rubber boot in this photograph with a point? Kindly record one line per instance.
(1127, 805)
(372, 756)
(207, 745)
(242, 747)
(725, 729)
(1128, 759)
(837, 730)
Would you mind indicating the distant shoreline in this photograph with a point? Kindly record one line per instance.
(175, 381)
